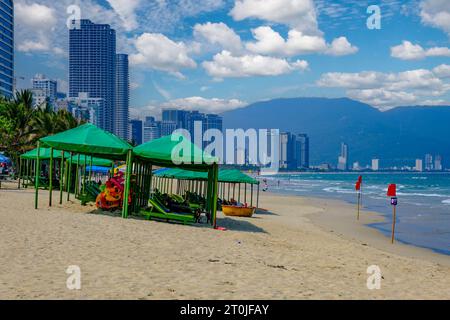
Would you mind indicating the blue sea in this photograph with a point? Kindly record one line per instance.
(424, 201)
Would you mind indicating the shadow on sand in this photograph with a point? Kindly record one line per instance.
(228, 223)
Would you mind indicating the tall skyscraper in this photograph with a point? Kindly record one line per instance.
(343, 158)
(167, 128)
(121, 112)
(137, 128)
(214, 121)
(428, 162)
(7, 48)
(302, 151)
(438, 163)
(177, 116)
(44, 88)
(375, 164)
(92, 66)
(419, 165)
(152, 129)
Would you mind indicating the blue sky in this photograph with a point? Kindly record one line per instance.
(217, 55)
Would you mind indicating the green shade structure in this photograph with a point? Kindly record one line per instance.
(91, 140)
(161, 152)
(44, 154)
(225, 175)
(80, 160)
(174, 151)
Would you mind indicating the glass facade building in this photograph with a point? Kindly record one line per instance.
(6, 48)
(121, 112)
(92, 67)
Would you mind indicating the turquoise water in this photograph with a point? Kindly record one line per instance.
(424, 201)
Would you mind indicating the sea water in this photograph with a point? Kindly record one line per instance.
(423, 212)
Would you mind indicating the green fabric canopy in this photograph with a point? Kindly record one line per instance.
(225, 175)
(95, 161)
(163, 151)
(44, 154)
(88, 139)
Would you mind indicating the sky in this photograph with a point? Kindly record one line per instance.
(219, 55)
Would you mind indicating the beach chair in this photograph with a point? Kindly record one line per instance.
(157, 210)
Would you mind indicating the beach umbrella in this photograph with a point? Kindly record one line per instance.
(5, 159)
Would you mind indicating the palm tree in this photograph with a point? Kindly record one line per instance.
(21, 125)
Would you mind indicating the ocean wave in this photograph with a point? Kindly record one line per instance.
(338, 190)
(413, 194)
(446, 201)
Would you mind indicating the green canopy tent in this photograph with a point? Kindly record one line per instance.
(27, 163)
(227, 177)
(84, 140)
(174, 151)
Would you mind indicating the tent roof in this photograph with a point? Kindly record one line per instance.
(95, 161)
(89, 139)
(225, 175)
(44, 154)
(161, 152)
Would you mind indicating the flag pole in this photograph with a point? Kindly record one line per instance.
(393, 224)
(359, 204)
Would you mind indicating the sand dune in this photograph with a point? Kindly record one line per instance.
(279, 254)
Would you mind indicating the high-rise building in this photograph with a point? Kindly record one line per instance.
(137, 128)
(419, 165)
(92, 66)
(177, 116)
(428, 162)
(7, 48)
(214, 121)
(192, 118)
(438, 163)
(86, 108)
(302, 151)
(167, 128)
(343, 158)
(44, 89)
(122, 110)
(375, 164)
(152, 129)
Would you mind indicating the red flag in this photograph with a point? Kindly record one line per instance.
(392, 190)
(358, 186)
(360, 179)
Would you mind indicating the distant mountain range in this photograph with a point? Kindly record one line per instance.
(397, 137)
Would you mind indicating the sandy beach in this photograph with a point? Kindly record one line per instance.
(299, 248)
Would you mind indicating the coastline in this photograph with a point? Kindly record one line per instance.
(287, 252)
(344, 224)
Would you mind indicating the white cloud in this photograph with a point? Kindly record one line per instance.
(157, 52)
(341, 47)
(270, 42)
(126, 11)
(35, 15)
(298, 14)
(436, 13)
(206, 105)
(410, 51)
(386, 90)
(442, 71)
(219, 34)
(225, 65)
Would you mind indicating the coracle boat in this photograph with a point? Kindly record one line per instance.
(238, 211)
